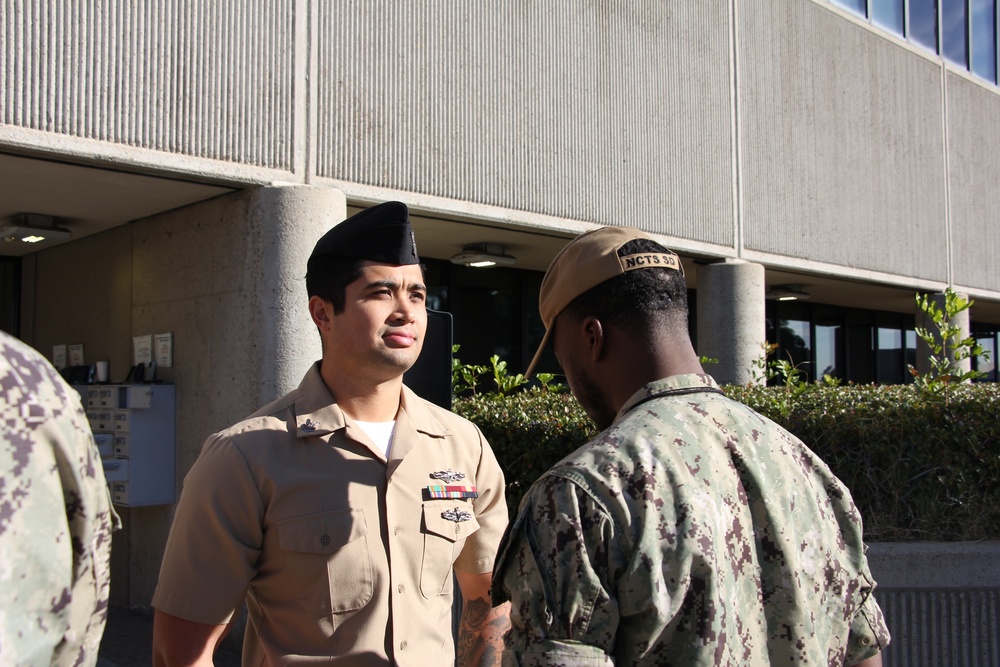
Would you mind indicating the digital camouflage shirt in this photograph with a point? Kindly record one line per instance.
(55, 518)
(693, 531)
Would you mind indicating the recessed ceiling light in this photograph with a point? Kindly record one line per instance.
(482, 255)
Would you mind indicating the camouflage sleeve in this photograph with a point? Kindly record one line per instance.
(869, 634)
(56, 518)
(559, 569)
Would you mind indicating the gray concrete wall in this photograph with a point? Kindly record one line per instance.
(613, 113)
(974, 173)
(841, 142)
(226, 278)
(788, 133)
(941, 602)
(203, 80)
(784, 132)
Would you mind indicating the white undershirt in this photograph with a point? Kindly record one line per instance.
(380, 433)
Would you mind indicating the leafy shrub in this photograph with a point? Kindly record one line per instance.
(919, 469)
(947, 347)
(530, 431)
(465, 377)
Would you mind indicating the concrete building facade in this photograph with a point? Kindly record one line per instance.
(196, 150)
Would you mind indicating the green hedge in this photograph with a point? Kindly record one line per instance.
(529, 431)
(920, 469)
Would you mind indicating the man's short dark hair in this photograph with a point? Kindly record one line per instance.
(641, 300)
(328, 278)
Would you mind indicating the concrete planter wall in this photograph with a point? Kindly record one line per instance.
(941, 602)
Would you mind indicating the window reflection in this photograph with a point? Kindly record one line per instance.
(889, 15)
(911, 354)
(826, 352)
(954, 38)
(984, 39)
(796, 344)
(987, 363)
(923, 23)
(495, 311)
(856, 6)
(888, 355)
(789, 326)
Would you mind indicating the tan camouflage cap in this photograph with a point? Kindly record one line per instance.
(586, 262)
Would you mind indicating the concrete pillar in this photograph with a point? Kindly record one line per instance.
(961, 320)
(286, 222)
(731, 326)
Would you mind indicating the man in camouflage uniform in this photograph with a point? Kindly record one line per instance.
(692, 531)
(56, 518)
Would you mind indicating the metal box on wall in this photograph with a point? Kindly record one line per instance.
(136, 437)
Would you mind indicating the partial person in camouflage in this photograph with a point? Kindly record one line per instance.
(691, 531)
(56, 518)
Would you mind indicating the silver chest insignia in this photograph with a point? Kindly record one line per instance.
(457, 515)
(448, 476)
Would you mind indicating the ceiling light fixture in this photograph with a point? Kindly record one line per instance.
(787, 293)
(481, 255)
(32, 228)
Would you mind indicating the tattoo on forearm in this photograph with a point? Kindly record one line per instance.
(481, 633)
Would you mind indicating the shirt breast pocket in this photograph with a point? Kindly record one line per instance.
(330, 547)
(445, 526)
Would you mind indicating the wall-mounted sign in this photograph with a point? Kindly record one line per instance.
(59, 356)
(142, 349)
(164, 345)
(76, 355)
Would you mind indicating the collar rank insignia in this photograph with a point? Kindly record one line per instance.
(448, 476)
(457, 515)
(309, 426)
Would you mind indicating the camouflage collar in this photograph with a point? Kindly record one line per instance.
(674, 385)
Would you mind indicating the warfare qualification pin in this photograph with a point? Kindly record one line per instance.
(457, 515)
(448, 476)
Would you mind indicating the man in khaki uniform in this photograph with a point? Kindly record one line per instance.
(340, 511)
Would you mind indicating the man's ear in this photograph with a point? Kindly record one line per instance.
(593, 332)
(321, 312)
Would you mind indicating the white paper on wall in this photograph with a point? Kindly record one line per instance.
(142, 349)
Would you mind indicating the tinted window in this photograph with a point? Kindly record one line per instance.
(955, 40)
(826, 352)
(10, 295)
(988, 364)
(923, 23)
(888, 356)
(888, 14)
(984, 39)
(856, 6)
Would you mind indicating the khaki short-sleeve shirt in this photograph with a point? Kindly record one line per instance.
(338, 552)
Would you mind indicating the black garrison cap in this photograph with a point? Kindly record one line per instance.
(379, 234)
